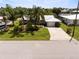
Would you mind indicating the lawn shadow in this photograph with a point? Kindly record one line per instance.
(2, 32)
(29, 32)
(15, 34)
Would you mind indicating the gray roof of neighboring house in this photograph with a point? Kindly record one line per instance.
(9, 22)
(26, 17)
(71, 17)
(51, 18)
(75, 11)
(2, 23)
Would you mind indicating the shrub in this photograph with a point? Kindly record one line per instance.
(36, 28)
(69, 30)
(42, 22)
(16, 30)
(29, 27)
(20, 29)
(20, 22)
(57, 24)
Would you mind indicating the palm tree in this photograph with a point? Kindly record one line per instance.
(75, 22)
(11, 13)
(4, 13)
(5, 19)
(37, 14)
(56, 11)
(21, 12)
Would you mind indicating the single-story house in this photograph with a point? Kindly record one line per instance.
(2, 25)
(52, 21)
(25, 19)
(9, 22)
(69, 19)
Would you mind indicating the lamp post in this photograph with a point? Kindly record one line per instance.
(75, 23)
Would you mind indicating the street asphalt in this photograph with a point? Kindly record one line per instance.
(56, 49)
(52, 49)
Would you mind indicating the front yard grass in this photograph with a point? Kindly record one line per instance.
(64, 27)
(41, 34)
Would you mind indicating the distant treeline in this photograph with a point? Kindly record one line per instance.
(26, 10)
(46, 11)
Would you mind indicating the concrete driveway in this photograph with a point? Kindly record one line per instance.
(57, 49)
(58, 34)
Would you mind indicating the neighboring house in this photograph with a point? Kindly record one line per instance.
(64, 11)
(2, 25)
(69, 19)
(26, 19)
(74, 12)
(8, 21)
(52, 21)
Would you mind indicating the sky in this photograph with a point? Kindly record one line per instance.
(42, 3)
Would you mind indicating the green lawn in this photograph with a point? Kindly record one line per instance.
(42, 34)
(64, 27)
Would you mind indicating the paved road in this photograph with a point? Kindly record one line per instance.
(53, 49)
(56, 49)
(58, 34)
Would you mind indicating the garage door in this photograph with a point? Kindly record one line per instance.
(50, 24)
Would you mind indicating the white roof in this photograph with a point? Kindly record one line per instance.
(75, 11)
(72, 17)
(26, 17)
(1, 17)
(9, 22)
(51, 18)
